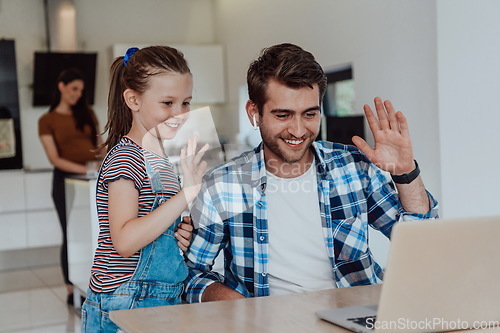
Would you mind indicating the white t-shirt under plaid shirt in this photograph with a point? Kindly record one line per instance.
(298, 257)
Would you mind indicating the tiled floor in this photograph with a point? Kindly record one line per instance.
(34, 300)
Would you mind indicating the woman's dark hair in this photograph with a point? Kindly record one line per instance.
(135, 74)
(82, 112)
(288, 64)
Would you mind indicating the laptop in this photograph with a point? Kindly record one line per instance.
(441, 275)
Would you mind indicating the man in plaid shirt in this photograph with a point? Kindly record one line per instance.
(293, 214)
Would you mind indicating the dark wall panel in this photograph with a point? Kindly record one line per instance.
(10, 120)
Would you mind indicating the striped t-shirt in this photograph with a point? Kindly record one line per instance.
(125, 160)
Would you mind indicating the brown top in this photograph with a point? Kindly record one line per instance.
(72, 144)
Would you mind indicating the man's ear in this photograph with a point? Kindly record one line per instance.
(131, 99)
(253, 113)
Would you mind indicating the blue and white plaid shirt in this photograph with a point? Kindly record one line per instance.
(231, 215)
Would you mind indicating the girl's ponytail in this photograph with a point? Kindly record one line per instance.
(119, 114)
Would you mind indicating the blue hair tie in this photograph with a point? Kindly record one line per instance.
(128, 54)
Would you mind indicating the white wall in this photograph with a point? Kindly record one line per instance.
(391, 44)
(469, 109)
(100, 24)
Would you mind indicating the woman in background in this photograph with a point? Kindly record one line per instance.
(68, 132)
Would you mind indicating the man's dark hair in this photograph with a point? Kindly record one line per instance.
(288, 64)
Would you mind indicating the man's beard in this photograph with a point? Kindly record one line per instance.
(273, 145)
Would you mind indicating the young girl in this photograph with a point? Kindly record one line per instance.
(68, 132)
(138, 262)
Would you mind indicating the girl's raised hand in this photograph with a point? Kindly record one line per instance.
(193, 167)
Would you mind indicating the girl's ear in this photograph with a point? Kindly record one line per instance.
(131, 99)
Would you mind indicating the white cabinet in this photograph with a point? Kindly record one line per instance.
(27, 215)
(12, 193)
(38, 187)
(41, 218)
(13, 231)
(43, 229)
(206, 63)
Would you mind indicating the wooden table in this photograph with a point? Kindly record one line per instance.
(289, 313)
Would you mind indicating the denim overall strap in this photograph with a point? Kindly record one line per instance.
(161, 269)
(157, 188)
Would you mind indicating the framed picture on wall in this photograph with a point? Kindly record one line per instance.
(7, 138)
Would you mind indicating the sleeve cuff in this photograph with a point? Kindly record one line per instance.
(197, 286)
(431, 214)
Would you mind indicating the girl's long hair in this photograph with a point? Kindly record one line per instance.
(82, 112)
(135, 75)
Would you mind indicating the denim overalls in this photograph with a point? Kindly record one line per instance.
(157, 280)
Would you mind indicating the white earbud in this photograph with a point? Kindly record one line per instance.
(255, 126)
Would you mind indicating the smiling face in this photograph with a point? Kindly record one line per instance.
(71, 92)
(289, 123)
(164, 107)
